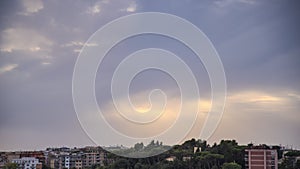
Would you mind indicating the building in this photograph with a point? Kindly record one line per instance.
(261, 157)
(64, 158)
(53, 163)
(37, 154)
(57, 158)
(12, 155)
(93, 156)
(170, 159)
(78, 163)
(28, 163)
(67, 161)
(64, 161)
(52, 159)
(76, 160)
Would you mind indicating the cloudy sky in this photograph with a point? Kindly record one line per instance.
(257, 41)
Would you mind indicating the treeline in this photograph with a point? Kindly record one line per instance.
(140, 150)
(291, 160)
(192, 154)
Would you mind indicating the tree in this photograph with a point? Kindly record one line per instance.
(208, 160)
(121, 164)
(138, 166)
(45, 167)
(138, 146)
(11, 166)
(214, 167)
(231, 166)
(297, 165)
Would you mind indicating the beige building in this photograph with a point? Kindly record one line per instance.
(93, 156)
(78, 164)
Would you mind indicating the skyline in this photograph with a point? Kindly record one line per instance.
(257, 42)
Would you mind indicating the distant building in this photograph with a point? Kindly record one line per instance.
(170, 159)
(2, 160)
(37, 154)
(186, 158)
(28, 163)
(57, 158)
(197, 149)
(12, 155)
(64, 158)
(64, 161)
(93, 156)
(78, 163)
(53, 162)
(261, 157)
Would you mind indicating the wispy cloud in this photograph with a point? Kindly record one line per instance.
(23, 39)
(254, 97)
(132, 7)
(31, 6)
(46, 63)
(94, 9)
(294, 95)
(77, 50)
(8, 68)
(225, 3)
(78, 45)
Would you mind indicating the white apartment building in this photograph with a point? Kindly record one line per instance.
(28, 163)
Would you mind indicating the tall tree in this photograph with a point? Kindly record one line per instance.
(231, 166)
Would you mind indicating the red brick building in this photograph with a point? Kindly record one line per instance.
(261, 158)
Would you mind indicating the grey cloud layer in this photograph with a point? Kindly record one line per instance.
(258, 42)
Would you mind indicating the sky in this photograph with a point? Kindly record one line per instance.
(257, 42)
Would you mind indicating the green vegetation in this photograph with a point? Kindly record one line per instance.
(192, 154)
(231, 166)
(290, 161)
(10, 166)
(139, 150)
(293, 153)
